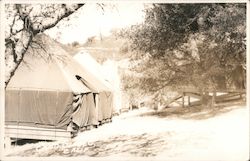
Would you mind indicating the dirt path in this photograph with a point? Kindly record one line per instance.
(172, 134)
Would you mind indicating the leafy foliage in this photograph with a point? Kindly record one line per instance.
(197, 45)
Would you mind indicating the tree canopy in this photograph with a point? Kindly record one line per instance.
(197, 45)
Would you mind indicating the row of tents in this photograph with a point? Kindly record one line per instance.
(52, 89)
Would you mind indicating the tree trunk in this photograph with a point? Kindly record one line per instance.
(205, 100)
(14, 56)
(221, 82)
(239, 77)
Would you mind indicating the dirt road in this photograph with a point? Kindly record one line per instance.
(144, 134)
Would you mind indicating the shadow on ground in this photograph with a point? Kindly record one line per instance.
(27, 141)
(196, 112)
(143, 145)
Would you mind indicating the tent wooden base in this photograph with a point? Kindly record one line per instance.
(13, 132)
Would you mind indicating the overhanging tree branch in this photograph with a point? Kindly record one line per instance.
(18, 42)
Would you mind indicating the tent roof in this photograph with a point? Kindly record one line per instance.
(92, 73)
(47, 67)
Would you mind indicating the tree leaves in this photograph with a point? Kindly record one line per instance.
(191, 44)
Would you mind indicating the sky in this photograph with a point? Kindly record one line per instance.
(91, 20)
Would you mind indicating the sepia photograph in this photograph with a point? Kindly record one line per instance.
(124, 80)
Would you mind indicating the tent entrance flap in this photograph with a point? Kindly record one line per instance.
(86, 113)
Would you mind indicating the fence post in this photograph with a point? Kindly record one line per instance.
(189, 101)
(213, 99)
(183, 99)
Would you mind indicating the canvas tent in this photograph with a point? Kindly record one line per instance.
(110, 72)
(45, 93)
(92, 77)
(93, 70)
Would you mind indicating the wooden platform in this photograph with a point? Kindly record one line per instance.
(14, 132)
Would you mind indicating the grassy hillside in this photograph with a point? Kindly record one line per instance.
(101, 49)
